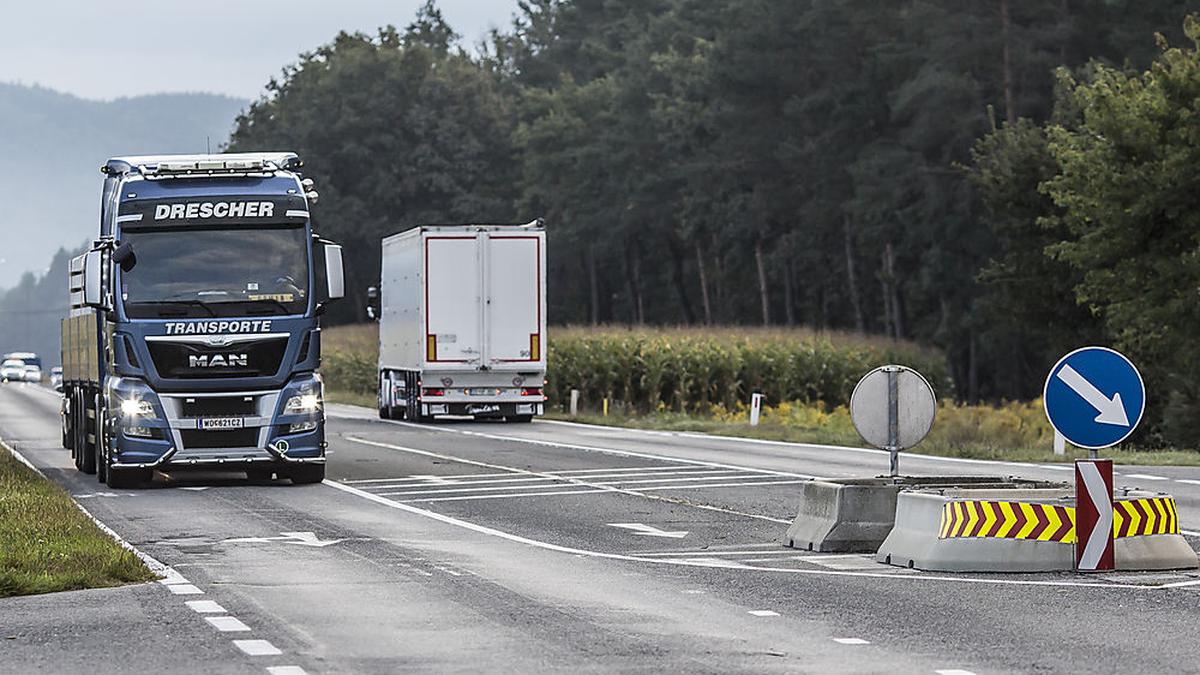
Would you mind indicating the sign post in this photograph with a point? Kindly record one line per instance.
(893, 409)
(1094, 399)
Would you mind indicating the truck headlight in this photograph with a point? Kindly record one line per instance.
(302, 404)
(136, 407)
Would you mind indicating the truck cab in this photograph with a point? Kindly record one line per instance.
(193, 339)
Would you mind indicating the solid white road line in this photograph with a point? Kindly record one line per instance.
(592, 448)
(572, 481)
(492, 532)
(953, 671)
(762, 612)
(1190, 533)
(1143, 476)
(851, 641)
(286, 670)
(205, 606)
(257, 647)
(1188, 481)
(708, 553)
(227, 624)
(725, 485)
(462, 498)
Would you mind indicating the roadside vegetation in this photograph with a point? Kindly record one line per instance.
(700, 380)
(47, 544)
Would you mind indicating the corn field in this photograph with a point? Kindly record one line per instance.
(682, 370)
(697, 371)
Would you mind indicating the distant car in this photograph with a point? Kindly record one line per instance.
(12, 370)
(56, 378)
(33, 373)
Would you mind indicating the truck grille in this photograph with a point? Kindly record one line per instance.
(227, 438)
(180, 360)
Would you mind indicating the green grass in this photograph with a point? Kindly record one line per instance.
(47, 544)
(350, 398)
(955, 434)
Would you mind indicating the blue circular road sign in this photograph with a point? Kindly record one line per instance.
(1094, 397)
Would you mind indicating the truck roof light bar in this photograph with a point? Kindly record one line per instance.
(202, 165)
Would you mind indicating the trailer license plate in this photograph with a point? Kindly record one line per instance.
(480, 409)
(217, 423)
(483, 392)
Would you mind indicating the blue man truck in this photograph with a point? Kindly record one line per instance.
(193, 337)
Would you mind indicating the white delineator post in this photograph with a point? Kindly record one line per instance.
(1060, 443)
(574, 402)
(755, 408)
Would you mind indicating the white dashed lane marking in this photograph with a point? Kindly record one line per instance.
(227, 624)
(184, 589)
(1144, 476)
(205, 606)
(286, 670)
(1189, 481)
(257, 647)
(851, 641)
(762, 612)
(953, 671)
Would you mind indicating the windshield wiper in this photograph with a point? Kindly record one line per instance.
(180, 303)
(271, 301)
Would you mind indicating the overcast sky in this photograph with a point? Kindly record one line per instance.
(107, 50)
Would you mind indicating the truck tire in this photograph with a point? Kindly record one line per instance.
(307, 474)
(518, 419)
(126, 479)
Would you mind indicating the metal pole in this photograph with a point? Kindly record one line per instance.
(894, 420)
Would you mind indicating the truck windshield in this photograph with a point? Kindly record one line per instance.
(216, 272)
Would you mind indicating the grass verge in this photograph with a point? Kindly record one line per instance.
(941, 442)
(47, 544)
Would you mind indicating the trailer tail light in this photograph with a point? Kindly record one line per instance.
(535, 347)
(431, 347)
(429, 391)
(531, 391)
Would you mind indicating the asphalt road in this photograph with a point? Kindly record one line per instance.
(473, 547)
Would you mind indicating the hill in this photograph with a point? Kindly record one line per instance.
(52, 145)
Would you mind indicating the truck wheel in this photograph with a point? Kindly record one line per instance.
(126, 479)
(518, 419)
(307, 474)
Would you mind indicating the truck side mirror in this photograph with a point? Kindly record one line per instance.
(373, 303)
(93, 280)
(335, 274)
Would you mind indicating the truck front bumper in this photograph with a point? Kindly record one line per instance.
(264, 433)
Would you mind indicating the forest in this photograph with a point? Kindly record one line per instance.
(993, 178)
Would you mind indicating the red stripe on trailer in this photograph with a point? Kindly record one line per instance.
(1094, 515)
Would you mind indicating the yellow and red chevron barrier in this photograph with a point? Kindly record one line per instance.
(1050, 522)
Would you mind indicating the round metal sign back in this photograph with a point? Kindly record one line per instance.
(893, 407)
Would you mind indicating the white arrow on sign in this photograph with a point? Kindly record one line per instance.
(1101, 535)
(300, 538)
(647, 531)
(1112, 410)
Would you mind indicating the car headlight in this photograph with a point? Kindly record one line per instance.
(302, 404)
(136, 407)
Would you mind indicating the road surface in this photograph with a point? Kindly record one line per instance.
(554, 547)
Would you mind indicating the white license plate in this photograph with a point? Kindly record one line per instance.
(214, 423)
(483, 392)
(479, 409)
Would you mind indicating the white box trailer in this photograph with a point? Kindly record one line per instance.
(462, 322)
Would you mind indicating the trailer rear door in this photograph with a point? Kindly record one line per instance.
(513, 310)
(452, 300)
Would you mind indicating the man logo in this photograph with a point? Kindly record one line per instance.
(218, 361)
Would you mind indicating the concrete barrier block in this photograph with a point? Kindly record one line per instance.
(855, 515)
(1024, 530)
